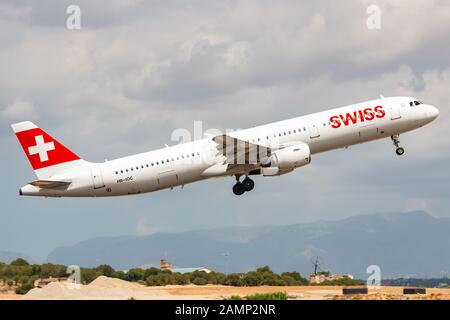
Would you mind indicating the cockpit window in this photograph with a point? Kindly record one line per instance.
(415, 103)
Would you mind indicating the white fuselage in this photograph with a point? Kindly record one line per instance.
(186, 163)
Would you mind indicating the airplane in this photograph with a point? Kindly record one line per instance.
(269, 150)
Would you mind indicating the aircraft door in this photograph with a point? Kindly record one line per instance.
(167, 179)
(97, 177)
(395, 112)
(314, 130)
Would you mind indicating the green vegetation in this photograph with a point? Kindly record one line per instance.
(21, 275)
(261, 296)
(234, 297)
(268, 296)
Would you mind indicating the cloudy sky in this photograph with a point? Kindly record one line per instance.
(137, 70)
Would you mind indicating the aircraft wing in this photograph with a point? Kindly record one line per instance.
(241, 154)
(50, 184)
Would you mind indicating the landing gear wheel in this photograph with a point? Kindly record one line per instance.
(238, 189)
(248, 184)
(399, 151)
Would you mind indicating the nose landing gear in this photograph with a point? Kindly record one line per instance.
(399, 150)
(240, 187)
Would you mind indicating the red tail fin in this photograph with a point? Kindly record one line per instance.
(41, 149)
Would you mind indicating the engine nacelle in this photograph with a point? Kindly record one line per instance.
(285, 160)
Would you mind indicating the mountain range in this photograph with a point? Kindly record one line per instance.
(401, 244)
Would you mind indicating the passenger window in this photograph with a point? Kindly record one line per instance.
(117, 172)
(121, 171)
(126, 170)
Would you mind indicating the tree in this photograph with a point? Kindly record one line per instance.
(151, 272)
(19, 262)
(24, 288)
(234, 279)
(135, 274)
(161, 279)
(265, 269)
(294, 278)
(200, 281)
(105, 270)
(251, 280)
(120, 275)
(88, 275)
(182, 279)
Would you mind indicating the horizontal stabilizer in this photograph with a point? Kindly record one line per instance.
(49, 184)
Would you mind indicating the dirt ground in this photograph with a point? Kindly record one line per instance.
(107, 288)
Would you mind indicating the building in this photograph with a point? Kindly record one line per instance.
(316, 278)
(189, 270)
(166, 265)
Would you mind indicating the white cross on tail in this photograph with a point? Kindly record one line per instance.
(41, 148)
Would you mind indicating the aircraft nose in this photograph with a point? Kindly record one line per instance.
(433, 112)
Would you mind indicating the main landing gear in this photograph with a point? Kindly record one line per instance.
(399, 150)
(240, 187)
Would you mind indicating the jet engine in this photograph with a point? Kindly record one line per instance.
(287, 159)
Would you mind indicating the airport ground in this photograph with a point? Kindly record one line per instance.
(108, 288)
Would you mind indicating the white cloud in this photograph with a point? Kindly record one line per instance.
(19, 111)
